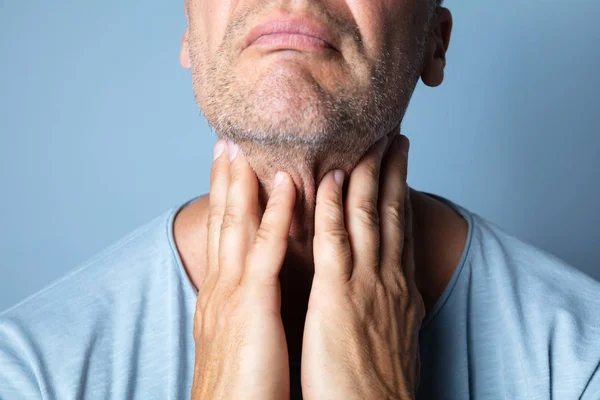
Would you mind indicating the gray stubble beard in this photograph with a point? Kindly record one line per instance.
(315, 121)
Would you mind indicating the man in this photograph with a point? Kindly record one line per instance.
(311, 269)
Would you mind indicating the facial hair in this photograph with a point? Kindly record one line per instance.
(287, 109)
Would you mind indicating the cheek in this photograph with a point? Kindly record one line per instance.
(388, 26)
(208, 22)
(369, 16)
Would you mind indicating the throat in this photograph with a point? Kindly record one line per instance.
(296, 281)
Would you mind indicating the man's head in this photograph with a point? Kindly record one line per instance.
(330, 74)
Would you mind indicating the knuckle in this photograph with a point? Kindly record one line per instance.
(267, 234)
(414, 304)
(398, 280)
(419, 305)
(334, 236)
(262, 236)
(366, 212)
(371, 170)
(337, 237)
(401, 283)
(332, 211)
(328, 202)
(392, 211)
(366, 282)
(231, 218)
(229, 308)
(215, 216)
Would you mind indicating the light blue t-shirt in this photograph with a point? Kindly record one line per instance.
(514, 323)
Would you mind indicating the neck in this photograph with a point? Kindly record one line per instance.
(439, 234)
(306, 163)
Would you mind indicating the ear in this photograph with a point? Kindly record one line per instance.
(184, 55)
(437, 46)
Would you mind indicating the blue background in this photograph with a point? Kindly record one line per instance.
(99, 131)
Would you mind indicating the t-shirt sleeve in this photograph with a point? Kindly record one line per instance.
(17, 376)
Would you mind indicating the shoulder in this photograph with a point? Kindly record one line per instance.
(542, 307)
(528, 270)
(111, 266)
(71, 318)
(496, 264)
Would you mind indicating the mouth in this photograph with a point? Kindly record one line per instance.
(286, 33)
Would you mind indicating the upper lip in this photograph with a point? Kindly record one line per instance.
(290, 25)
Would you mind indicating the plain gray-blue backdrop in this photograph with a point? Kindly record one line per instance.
(99, 131)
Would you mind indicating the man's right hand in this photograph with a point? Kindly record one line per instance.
(241, 351)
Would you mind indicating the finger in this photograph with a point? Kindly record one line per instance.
(392, 202)
(408, 260)
(219, 182)
(268, 249)
(362, 216)
(240, 219)
(333, 259)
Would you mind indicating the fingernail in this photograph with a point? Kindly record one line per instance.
(233, 150)
(219, 148)
(338, 176)
(380, 145)
(278, 178)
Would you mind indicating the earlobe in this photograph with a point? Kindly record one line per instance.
(184, 55)
(433, 74)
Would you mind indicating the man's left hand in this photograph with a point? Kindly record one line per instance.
(361, 337)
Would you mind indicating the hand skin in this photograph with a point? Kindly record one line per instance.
(241, 351)
(364, 313)
(349, 350)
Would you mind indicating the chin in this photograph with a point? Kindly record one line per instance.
(284, 101)
(282, 104)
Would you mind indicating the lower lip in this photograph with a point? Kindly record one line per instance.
(291, 41)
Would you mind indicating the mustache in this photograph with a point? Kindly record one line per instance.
(250, 16)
